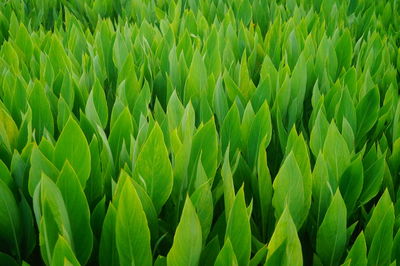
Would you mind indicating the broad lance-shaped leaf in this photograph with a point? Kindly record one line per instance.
(227, 181)
(40, 164)
(298, 84)
(264, 187)
(336, 154)
(367, 112)
(96, 107)
(238, 229)
(298, 146)
(261, 128)
(63, 254)
(186, 248)
(8, 129)
(321, 189)
(289, 191)
(229, 132)
(285, 241)
(52, 217)
(196, 82)
(226, 256)
(121, 131)
(108, 254)
(351, 183)
(379, 231)
(358, 252)
(10, 221)
(175, 111)
(42, 117)
(331, 235)
(72, 146)
(210, 251)
(205, 143)
(78, 212)
(202, 200)
(344, 50)
(318, 133)
(396, 246)
(132, 231)
(154, 168)
(374, 165)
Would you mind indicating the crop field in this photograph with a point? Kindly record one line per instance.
(199, 132)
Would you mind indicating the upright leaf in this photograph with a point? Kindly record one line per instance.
(331, 235)
(132, 231)
(238, 229)
(78, 212)
(226, 256)
(154, 168)
(289, 191)
(10, 220)
(285, 241)
(186, 248)
(72, 146)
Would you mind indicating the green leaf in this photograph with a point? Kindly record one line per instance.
(8, 129)
(264, 187)
(148, 208)
(238, 229)
(289, 191)
(321, 189)
(261, 255)
(345, 110)
(40, 164)
(358, 252)
(351, 183)
(344, 50)
(154, 168)
(331, 235)
(374, 165)
(108, 246)
(29, 235)
(186, 248)
(78, 212)
(381, 247)
(285, 241)
(24, 41)
(42, 118)
(175, 111)
(220, 101)
(63, 253)
(202, 200)
(369, 104)
(244, 12)
(10, 220)
(228, 186)
(226, 256)
(120, 51)
(379, 231)
(336, 153)
(210, 252)
(205, 143)
(8, 260)
(230, 129)
(196, 82)
(96, 107)
(132, 231)
(54, 220)
(120, 133)
(261, 128)
(298, 84)
(72, 146)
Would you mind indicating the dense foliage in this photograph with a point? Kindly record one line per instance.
(185, 132)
